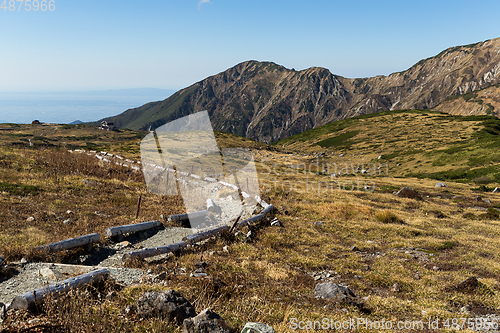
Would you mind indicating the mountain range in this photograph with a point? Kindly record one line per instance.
(268, 102)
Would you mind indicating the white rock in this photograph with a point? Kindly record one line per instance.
(30, 219)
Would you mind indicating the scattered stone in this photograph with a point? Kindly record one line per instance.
(465, 309)
(395, 288)
(225, 249)
(435, 268)
(198, 274)
(69, 212)
(206, 322)
(67, 221)
(161, 277)
(496, 190)
(319, 224)
(48, 273)
(88, 182)
(30, 219)
(488, 201)
(257, 328)
(122, 245)
(128, 310)
(408, 192)
(24, 261)
(441, 184)
(354, 248)
(166, 304)
(111, 295)
(334, 291)
(470, 284)
(275, 222)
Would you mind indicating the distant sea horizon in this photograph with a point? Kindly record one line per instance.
(64, 107)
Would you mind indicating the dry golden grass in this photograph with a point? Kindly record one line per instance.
(270, 279)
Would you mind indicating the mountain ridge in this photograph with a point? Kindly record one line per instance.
(268, 102)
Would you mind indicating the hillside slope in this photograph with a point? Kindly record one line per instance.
(410, 143)
(480, 102)
(268, 102)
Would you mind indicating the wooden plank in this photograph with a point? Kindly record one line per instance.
(131, 228)
(194, 238)
(183, 217)
(30, 299)
(154, 251)
(70, 243)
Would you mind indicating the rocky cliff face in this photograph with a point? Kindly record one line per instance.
(268, 102)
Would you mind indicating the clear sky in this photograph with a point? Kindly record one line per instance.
(170, 44)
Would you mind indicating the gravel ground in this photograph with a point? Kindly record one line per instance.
(31, 276)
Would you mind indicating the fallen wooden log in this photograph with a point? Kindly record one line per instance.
(183, 217)
(71, 243)
(211, 207)
(267, 210)
(30, 299)
(194, 238)
(153, 251)
(256, 218)
(250, 220)
(261, 202)
(131, 228)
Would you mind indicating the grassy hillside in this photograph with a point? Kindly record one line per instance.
(403, 257)
(413, 143)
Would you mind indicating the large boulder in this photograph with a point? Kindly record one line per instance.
(408, 192)
(334, 292)
(206, 322)
(169, 305)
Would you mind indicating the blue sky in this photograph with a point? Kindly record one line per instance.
(170, 44)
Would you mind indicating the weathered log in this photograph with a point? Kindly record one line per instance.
(30, 299)
(250, 220)
(70, 243)
(268, 209)
(261, 202)
(183, 217)
(256, 218)
(131, 228)
(211, 207)
(154, 251)
(194, 238)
